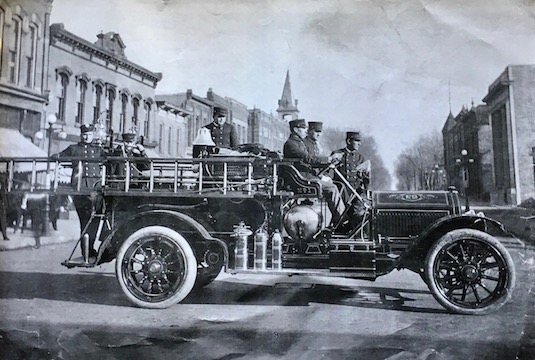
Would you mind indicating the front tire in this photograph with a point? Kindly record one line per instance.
(470, 272)
(156, 267)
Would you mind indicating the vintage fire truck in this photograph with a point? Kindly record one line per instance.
(173, 230)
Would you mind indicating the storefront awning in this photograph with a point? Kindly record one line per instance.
(14, 145)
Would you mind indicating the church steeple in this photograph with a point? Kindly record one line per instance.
(287, 105)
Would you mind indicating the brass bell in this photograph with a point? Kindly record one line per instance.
(204, 138)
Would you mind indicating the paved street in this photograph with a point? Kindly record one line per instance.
(50, 312)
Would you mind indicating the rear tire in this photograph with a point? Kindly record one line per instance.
(156, 267)
(470, 272)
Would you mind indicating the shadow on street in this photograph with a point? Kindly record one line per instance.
(104, 290)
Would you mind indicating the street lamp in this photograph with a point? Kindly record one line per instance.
(464, 160)
(49, 128)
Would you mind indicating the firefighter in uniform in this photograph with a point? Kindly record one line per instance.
(88, 177)
(311, 141)
(350, 165)
(350, 159)
(295, 148)
(130, 149)
(223, 134)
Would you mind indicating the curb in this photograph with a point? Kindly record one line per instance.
(29, 242)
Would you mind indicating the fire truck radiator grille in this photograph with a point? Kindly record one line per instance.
(405, 223)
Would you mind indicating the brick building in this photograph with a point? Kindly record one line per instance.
(267, 129)
(172, 122)
(470, 131)
(198, 112)
(511, 108)
(96, 83)
(24, 32)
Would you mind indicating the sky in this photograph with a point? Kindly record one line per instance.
(391, 69)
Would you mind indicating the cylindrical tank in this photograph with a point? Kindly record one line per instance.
(302, 222)
(241, 254)
(276, 250)
(260, 248)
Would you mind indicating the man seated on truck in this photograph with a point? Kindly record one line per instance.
(88, 177)
(356, 170)
(352, 163)
(295, 148)
(129, 148)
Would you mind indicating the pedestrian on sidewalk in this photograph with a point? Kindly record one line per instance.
(3, 206)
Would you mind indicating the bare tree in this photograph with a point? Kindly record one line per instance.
(420, 166)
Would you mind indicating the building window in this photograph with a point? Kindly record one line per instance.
(190, 130)
(111, 98)
(124, 105)
(169, 141)
(14, 51)
(97, 105)
(82, 90)
(2, 23)
(30, 56)
(160, 139)
(62, 97)
(135, 115)
(177, 152)
(501, 148)
(146, 124)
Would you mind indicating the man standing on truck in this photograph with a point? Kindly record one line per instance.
(295, 148)
(88, 177)
(223, 134)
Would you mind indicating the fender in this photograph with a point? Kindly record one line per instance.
(175, 220)
(418, 249)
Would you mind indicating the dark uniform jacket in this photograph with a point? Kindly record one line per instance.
(294, 148)
(136, 167)
(312, 147)
(224, 136)
(348, 167)
(90, 173)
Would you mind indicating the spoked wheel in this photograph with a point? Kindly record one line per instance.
(156, 267)
(470, 272)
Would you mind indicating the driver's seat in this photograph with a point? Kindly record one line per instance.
(290, 179)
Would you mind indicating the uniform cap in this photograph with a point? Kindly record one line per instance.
(315, 125)
(86, 128)
(298, 123)
(129, 137)
(353, 135)
(219, 111)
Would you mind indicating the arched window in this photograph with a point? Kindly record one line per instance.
(81, 91)
(135, 113)
(124, 107)
(97, 104)
(62, 96)
(110, 95)
(14, 50)
(31, 50)
(146, 124)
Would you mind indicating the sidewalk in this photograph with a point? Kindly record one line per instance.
(68, 230)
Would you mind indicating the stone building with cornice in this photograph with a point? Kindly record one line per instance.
(96, 83)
